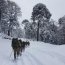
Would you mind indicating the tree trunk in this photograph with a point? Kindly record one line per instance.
(8, 32)
(38, 31)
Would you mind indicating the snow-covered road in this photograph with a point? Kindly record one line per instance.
(38, 53)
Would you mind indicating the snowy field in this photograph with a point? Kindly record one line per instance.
(38, 53)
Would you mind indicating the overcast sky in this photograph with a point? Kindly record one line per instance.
(56, 7)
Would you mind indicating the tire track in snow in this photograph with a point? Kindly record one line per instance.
(21, 61)
(60, 57)
(45, 52)
(34, 59)
(28, 58)
(15, 62)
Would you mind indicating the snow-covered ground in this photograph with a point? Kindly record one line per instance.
(38, 53)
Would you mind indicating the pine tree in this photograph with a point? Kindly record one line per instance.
(40, 12)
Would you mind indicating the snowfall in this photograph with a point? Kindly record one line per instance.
(38, 53)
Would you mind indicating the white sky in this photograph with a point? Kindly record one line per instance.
(56, 7)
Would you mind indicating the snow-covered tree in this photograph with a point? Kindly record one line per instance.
(13, 12)
(40, 12)
(3, 6)
(27, 30)
(30, 30)
(61, 31)
(17, 32)
(48, 31)
(62, 20)
(10, 12)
